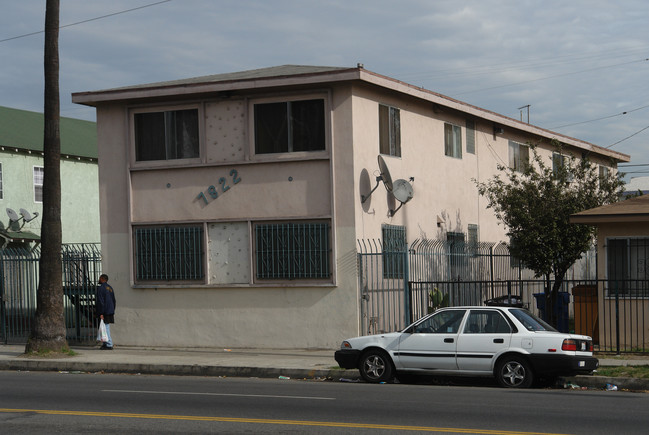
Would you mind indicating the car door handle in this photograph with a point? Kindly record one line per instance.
(499, 340)
(448, 340)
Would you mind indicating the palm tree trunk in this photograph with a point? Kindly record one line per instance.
(48, 329)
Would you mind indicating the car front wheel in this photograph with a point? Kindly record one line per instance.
(514, 372)
(376, 366)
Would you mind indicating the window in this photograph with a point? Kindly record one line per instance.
(627, 266)
(603, 172)
(169, 253)
(293, 251)
(389, 131)
(395, 247)
(457, 254)
(39, 173)
(519, 156)
(1, 191)
(452, 141)
(442, 322)
(558, 161)
(166, 135)
(486, 322)
(473, 239)
(290, 126)
(470, 136)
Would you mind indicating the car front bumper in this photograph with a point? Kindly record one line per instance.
(563, 365)
(347, 358)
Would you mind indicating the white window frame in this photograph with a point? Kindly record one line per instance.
(41, 170)
(453, 149)
(515, 157)
(292, 155)
(169, 162)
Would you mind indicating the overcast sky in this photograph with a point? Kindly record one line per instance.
(579, 64)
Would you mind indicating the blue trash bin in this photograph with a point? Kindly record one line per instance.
(561, 309)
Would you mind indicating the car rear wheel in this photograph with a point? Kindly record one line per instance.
(514, 372)
(376, 366)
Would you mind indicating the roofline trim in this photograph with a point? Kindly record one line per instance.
(91, 98)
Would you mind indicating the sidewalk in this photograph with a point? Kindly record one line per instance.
(262, 363)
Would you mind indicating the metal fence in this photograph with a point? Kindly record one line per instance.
(442, 273)
(19, 272)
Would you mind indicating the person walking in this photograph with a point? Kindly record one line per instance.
(106, 308)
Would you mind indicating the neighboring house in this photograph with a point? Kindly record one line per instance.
(21, 175)
(623, 268)
(231, 205)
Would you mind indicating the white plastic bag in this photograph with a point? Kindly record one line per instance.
(101, 334)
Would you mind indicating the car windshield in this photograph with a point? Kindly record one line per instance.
(530, 321)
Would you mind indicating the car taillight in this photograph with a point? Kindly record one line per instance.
(569, 344)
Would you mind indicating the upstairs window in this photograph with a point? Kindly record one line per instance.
(289, 126)
(389, 131)
(39, 174)
(166, 135)
(519, 156)
(452, 141)
(470, 136)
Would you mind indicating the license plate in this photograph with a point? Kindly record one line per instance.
(582, 363)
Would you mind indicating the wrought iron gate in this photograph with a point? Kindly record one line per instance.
(81, 267)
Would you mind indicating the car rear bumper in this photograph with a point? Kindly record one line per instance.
(565, 365)
(347, 358)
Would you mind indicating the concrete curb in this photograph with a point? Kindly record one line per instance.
(176, 369)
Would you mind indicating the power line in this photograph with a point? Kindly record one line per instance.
(599, 119)
(628, 137)
(86, 21)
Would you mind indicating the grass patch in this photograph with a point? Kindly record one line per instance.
(641, 372)
(51, 353)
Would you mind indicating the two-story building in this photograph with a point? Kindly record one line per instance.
(21, 175)
(231, 205)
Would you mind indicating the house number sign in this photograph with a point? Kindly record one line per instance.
(224, 185)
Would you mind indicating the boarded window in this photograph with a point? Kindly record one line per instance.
(470, 136)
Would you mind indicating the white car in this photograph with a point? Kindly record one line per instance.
(510, 344)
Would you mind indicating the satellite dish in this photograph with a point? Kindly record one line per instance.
(13, 216)
(385, 174)
(402, 191)
(385, 177)
(27, 215)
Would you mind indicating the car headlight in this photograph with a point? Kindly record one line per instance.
(345, 345)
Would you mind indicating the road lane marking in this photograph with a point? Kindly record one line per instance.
(218, 394)
(271, 421)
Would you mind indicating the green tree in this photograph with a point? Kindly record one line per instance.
(535, 206)
(48, 329)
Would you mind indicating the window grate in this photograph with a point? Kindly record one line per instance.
(395, 246)
(169, 253)
(293, 251)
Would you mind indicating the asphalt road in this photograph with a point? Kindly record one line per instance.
(71, 403)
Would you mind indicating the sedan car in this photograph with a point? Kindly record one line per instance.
(508, 343)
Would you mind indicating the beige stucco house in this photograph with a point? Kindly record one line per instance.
(622, 293)
(231, 205)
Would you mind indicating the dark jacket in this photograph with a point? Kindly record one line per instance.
(105, 300)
